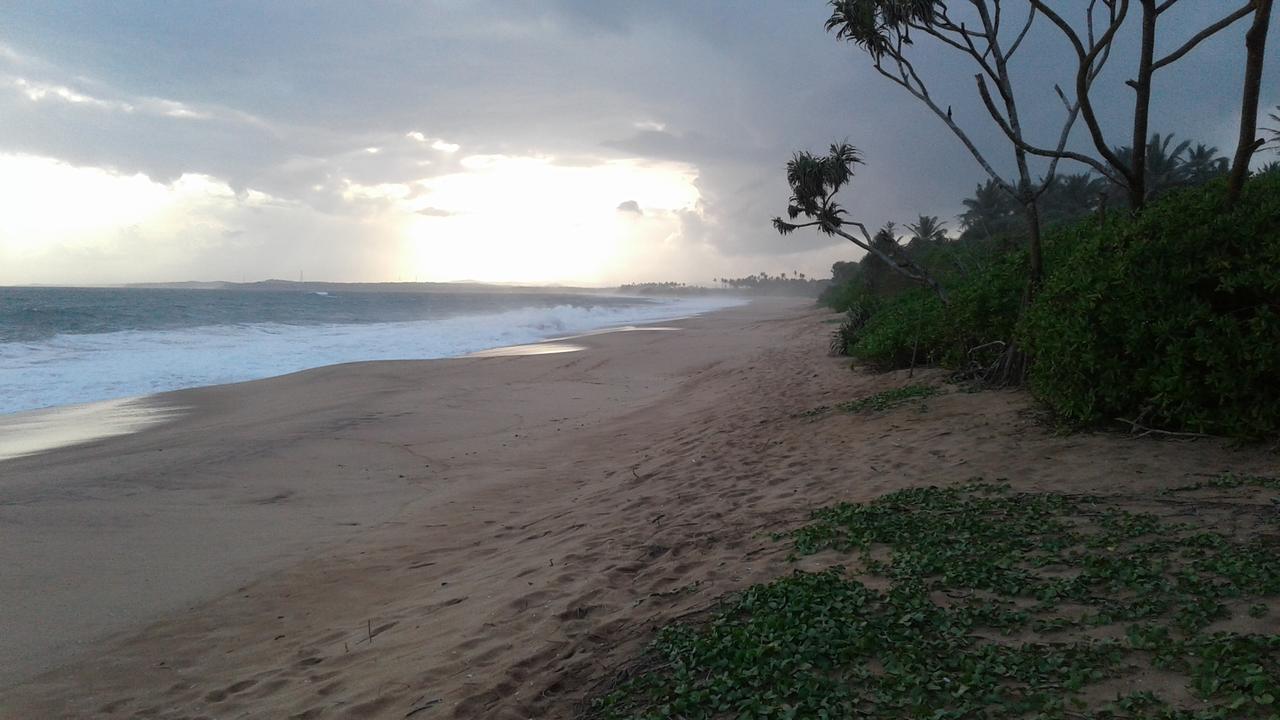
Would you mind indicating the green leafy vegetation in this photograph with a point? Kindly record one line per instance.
(889, 399)
(973, 601)
(1169, 318)
(880, 402)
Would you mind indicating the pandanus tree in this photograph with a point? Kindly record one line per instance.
(815, 181)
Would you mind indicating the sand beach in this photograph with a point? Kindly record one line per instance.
(479, 537)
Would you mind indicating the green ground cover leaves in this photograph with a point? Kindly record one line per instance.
(974, 601)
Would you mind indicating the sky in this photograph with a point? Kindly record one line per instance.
(589, 142)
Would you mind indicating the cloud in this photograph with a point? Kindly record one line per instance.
(660, 143)
(445, 92)
(630, 206)
(433, 143)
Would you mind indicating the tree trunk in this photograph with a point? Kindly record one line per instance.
(1142, 108)
(1035, 256)
(1255, 42)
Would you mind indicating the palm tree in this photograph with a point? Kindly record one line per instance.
(927, 230)
(989, 211)
(1072, 197)
(1274, 142)
(1164, 168)
(1202, 164)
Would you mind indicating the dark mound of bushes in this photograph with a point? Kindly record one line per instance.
(914, 327)
(1170, 318)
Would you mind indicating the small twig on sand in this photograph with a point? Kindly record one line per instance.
(1135, 427)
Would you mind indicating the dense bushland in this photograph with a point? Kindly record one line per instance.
(1170, 318)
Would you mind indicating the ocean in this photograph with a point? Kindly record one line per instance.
(61, 346)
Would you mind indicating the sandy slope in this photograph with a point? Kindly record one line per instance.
(552, 510)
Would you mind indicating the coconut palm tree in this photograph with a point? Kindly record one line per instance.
(1274, 142)
(1164, 167)
(1072, 197)
(989, 212)
(1202, 164)
(927, 231)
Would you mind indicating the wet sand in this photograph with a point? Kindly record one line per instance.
(480, 537)
(35, 431)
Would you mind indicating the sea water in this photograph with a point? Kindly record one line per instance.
(60, 346)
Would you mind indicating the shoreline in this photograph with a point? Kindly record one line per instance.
(60, 369)
(39, 430)
(524, 523)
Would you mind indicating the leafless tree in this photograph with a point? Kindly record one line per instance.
(1130, 172)
(886, 29)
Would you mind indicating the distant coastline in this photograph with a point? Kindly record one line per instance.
(402, 287)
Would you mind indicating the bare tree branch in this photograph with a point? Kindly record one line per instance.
(1061, 154)
(1084, 78)
(1031, 16)
(1202, 35)
(923, 96)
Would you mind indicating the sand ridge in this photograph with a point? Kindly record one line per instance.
(628, 484)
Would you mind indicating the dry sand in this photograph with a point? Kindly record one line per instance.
(472, 538)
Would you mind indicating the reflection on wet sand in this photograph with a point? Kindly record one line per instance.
(558, 345)
(543, 348)
(34, 431)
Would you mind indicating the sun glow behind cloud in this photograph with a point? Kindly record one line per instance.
(497, 218)
(523, 218)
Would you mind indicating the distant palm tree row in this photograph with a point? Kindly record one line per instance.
(991, 212)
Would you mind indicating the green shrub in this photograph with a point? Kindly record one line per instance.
(910, 326)
(842, 296)
(983, 309)
(857, 313)
(1171, 317)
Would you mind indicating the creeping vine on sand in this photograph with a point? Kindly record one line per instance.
(976, 601)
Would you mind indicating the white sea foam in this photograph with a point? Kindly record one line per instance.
(83, 368)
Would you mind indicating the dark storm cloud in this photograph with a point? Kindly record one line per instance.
(295, 99)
